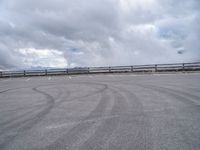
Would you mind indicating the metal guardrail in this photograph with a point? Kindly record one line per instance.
(178, 67)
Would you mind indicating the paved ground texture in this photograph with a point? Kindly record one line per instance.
(94, 112)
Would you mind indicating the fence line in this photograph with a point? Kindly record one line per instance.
(176, 67)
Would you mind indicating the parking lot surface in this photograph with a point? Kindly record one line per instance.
(101, 112)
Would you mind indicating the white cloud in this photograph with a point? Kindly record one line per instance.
(33, 58)
(98, 32)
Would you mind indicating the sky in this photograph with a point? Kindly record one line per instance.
(79, 33)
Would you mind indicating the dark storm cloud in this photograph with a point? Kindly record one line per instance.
(103, 32)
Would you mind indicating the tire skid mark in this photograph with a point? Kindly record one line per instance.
(102, 134)
(18, 123)
(17, 118)
(134, 104)
(134, 112)
(35, 108)
(184, 137)
(99, 110)
(145, 123)
(25, 87)
(37, 118)
(93, 93)
(63, 99)
(99, 131)
(165, 103)
(17, 109)
(25, 125)
(92, 120)
(79, 98)
(73, 135)
(108, 124)
(5, 91)
(15, 122)
(186, 94)
(176, 94)
(12, 89)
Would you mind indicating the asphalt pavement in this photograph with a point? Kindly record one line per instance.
(101, 112)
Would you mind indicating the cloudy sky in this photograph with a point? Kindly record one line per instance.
(68, 33)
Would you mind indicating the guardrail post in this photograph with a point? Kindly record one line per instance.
(67, 71)
(88, 70)
(1, 74)
(45, 72)
(183, 67)
(24, 73)
(131, 68)
(109, 69)
(156, 68)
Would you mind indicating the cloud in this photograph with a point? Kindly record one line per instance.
(98, 32)
(33, 58)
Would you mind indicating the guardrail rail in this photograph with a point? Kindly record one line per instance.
(177, 67)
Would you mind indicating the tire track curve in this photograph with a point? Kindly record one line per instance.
(68, 140)
(101, 136)
(26, 125)
(190, 108)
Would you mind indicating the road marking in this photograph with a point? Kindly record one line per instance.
(49, 78)
(70, 77)
(28, 79)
